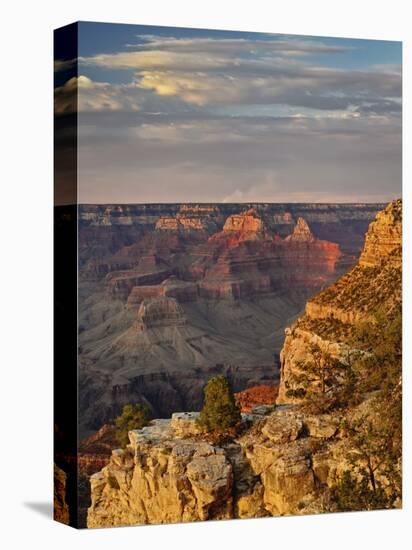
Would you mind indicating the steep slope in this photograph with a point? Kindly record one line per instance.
(372, 286)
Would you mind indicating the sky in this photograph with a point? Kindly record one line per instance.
(189, 115)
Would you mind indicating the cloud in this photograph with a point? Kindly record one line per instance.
(83, 94)
(63, 64)
(207, 53)
(206, 71)
(315, 88)
(214, 119)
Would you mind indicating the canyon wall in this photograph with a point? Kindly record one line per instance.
(223, 281)
(372, 286)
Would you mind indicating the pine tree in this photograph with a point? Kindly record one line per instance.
(220, 410)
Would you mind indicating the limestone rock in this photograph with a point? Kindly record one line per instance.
(168, 223)
(60, 506)
(162, 479)
(384, 238)
(184, 424)
(171, 287)
(282, 427)
(323, 426)
(248, 222)
(159, 312)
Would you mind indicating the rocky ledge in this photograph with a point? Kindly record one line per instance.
(281, 464)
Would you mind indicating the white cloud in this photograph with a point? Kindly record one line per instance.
(83, 94)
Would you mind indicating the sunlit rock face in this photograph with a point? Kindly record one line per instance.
(301, 232)
(60, 506)
(373, 284)
(383, 241)
(162, 478)
(170, 473)
(248, 222)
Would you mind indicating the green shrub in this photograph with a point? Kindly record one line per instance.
(350, 494)
(133, 417)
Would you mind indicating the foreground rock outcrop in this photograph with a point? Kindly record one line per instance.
(161, 478)
(170, 473)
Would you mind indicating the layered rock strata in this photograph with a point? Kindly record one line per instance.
(330, 317)
(301, 232)
(238, 288)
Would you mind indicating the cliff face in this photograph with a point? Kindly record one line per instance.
(248, 222)
(168, 474)
(373, 285)
(161, 479)
(383, 242)
(60, 506)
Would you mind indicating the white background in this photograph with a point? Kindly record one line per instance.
(26, 271)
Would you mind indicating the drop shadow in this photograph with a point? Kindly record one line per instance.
(44, 509)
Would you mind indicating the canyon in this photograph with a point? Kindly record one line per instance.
(170, 295)
(284, 459)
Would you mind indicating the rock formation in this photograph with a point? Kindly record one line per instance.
(170, 474)
(159, 312)
(172, 287)
(168, 223)
(301, 232)
(166, 475)
(373, 284)
(384, 238)
(249, 224)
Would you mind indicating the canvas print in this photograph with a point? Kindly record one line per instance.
(228, 258)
